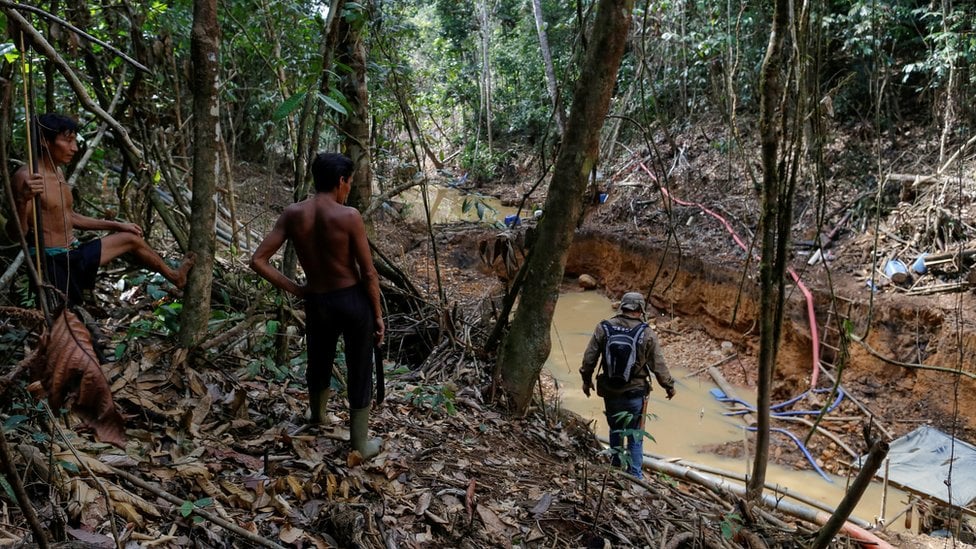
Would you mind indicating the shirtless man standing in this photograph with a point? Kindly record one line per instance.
(341, 292)
(71, 267)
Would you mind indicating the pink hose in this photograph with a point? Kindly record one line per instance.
(811, 313)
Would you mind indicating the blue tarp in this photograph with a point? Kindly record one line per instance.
(921, 462)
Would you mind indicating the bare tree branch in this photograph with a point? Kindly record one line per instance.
(46, 49)
(52, 17)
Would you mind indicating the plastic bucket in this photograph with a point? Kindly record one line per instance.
(512, 220)
(896, 271)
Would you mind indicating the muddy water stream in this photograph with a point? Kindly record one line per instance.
(447, 206)
(692, 420)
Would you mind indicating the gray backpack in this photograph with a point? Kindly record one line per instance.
(620, 351)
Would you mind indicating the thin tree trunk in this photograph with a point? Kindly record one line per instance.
(540, 26)
(526, 346)
(485, 35)
(875, 458)
(771, 295)
(204, 50)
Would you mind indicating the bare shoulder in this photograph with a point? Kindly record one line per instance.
(348, 214)
(295, 210)
(21, 173)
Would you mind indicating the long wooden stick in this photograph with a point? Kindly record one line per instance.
(254, 538)
(23, 500)
(31, 161)
(81, 462)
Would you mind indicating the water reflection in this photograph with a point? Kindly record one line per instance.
(693, 420)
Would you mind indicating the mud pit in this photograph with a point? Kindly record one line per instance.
(904, 329)
(700, 306)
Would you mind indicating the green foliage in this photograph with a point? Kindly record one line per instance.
(730, 525)
(434, 398)
(917, 42)
(621, 452)
(483, 164)
(188, 507)
(7, 488)
(263, 362)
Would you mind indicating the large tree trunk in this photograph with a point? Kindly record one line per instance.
(204, 49)
(540, 26)
(352, 53)
(771, 266)
(526, 346)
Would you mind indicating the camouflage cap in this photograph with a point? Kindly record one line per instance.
(632, 301)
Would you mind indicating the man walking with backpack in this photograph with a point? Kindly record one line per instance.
(628, 351)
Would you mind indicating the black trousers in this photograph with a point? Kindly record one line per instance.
(346, 312)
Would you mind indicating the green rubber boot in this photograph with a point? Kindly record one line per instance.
(359, 433)
(317, 401)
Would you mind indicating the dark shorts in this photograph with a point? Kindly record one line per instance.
(346, 312)
(73, 271)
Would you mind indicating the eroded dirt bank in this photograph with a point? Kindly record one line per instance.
(905, 329)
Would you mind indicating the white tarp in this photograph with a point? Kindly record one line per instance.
(920, 461)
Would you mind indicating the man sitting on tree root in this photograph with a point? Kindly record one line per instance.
(342, 290)
(71, 266)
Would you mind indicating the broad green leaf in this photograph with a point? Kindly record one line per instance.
(186, 508)
(13, 421)
(7, 488)
(333, 104)
(288, 106)
(68, 466)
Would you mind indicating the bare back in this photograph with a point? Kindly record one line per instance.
(325, 235)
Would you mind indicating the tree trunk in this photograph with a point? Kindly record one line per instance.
(770, 278)
(204, 50)
(540, 26)
(526, 346)
(484, 20)
(352, 53)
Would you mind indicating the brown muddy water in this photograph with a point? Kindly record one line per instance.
(692, 420)
(447, 205)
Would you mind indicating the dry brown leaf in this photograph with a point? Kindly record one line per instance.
(210, 488)
(289, 534)
(331, 485)
(82, 507)
(423, 503)
(493, 523)
(72, 368)
(91, 539)
(238, 496)
(542, 505)
(469, 499)
(128, 511)
(121, 495)
(296, 487)
(94, 464)
(190, 470)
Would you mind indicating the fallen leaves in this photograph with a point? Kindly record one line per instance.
(71, 373)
